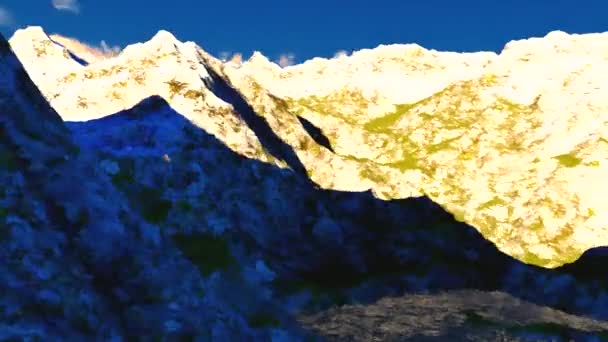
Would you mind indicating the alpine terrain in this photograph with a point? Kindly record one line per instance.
(398, 193)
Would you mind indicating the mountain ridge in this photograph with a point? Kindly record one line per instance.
(473, 131)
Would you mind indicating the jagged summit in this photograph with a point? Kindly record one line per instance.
(164, 39)
(162, 42)
(261, 63)
(173, 59)
(164, 36)
(258, 57)
(32, 45)
(55, 45)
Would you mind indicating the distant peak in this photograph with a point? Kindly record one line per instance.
(259, 60)
(257, 57)
(556, 34)
(164, 36)
(161, 41)
(32, 29)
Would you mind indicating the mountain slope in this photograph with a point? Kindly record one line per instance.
(509, 143)
(38, 216)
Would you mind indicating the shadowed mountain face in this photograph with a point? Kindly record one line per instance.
(316, 133)
(269, 139)
(153, 228)
(73, 55)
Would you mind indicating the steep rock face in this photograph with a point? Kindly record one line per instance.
(511, 143)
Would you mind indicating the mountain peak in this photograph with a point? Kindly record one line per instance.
(258, 58)
(164, 36)
(29, 34)
(32, 45)
(162, 42)
(259, 62)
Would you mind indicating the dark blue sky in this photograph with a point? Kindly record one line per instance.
(311, 27)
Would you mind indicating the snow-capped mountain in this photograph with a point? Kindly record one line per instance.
(216, 201)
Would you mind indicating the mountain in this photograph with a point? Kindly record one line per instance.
(162, 215)
(511, 143)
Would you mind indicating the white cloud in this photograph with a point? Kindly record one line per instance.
(67, 5)
(340, 53)
(107, 50)
(228, 56)
(6, 19)
(286, 59)
(223, 55)
(237, 58)
(88, 52)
